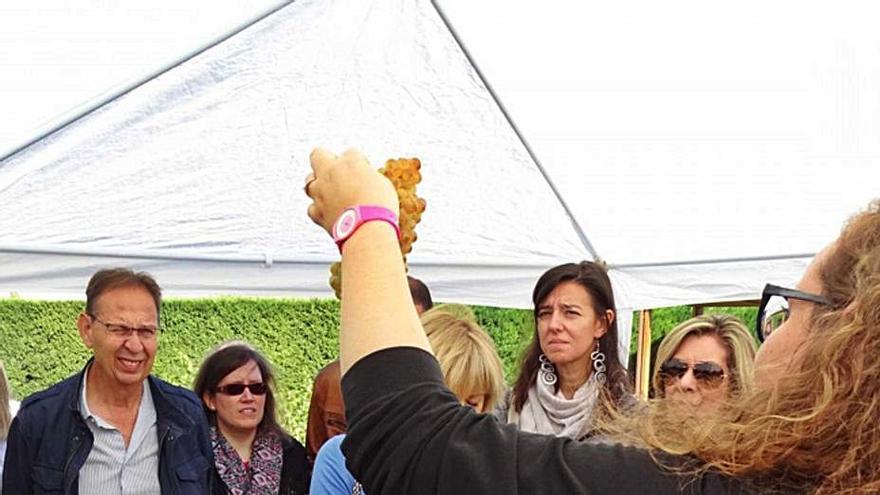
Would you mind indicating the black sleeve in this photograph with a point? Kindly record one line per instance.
(408, 434)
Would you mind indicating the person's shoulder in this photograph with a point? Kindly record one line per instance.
(51, 396)
(330, 472)
(330, 372)
(331, 451)
(42, 408)
(291, 446)
(335, 442)
(180, 396)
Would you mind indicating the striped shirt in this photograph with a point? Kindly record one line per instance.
(113, 469)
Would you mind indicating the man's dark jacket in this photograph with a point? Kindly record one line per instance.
(49, 441)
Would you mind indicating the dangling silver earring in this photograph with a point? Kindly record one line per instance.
(548, 371)
(598, 358)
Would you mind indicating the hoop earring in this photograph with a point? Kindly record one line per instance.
(548, 371)
(599, 368)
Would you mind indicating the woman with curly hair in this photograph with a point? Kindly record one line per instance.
(809, 426)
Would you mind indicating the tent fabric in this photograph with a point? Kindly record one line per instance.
(65, 57)
(685, 132)
(201, 169)
(698, 163)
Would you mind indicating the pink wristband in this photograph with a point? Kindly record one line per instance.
(353, 217)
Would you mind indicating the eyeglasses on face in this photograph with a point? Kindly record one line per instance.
(120, 331)
(709, 374)
(774, 308)
(238, 388)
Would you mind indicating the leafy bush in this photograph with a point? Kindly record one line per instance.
(663, 320)
(39, 343)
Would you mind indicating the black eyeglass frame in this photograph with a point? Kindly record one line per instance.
(771, 290)
(113, 328)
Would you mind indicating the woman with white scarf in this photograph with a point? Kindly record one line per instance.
(570, 371)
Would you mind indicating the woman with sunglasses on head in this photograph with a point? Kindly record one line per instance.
(808, 426)
(704, 361)
(253, 455)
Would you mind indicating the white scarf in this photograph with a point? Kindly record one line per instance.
(550, 413)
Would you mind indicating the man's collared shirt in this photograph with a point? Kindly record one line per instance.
(113, 469)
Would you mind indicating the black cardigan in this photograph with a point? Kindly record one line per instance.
(409, 435)
(294, 470)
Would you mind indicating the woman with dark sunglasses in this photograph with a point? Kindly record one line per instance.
(704, 361)
(808, 426)
(253, 455)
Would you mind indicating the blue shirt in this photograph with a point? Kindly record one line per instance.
(330, 476)
(112, 468)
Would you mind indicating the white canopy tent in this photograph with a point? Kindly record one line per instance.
(694, 148)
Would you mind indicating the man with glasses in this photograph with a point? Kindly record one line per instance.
(112, 428)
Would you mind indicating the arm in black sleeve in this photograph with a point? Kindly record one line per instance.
(408, 434)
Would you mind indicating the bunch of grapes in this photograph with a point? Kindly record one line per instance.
(404, 175)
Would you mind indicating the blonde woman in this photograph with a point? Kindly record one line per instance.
(471, 369)
(468, 360)
(704, 361)
(808, 426)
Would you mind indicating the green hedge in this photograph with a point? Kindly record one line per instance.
(663, 320)
(39, 343)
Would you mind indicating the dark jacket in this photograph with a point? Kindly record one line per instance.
(49, 441)
(294, 470)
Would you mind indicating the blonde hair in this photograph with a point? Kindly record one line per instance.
(5, 414)
(817, 430)
(735, 337)
(467, 355)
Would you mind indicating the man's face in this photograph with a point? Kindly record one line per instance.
(121, 360)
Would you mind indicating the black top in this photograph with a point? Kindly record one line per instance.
(408, 434)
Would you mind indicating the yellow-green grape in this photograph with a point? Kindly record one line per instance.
(404, 174)
(336, 278)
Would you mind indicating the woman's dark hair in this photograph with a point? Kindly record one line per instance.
(227, 358)
(594, 279)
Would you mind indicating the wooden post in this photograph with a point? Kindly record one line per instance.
(643, 356)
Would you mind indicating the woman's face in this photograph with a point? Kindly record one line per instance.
(242, 412)
(781, 349)
(568, 326)
(702, 388)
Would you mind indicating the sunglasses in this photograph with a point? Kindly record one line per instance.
(774, 308)
(238, 388)
(707, 373)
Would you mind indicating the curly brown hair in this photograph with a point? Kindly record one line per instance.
(817, 430)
